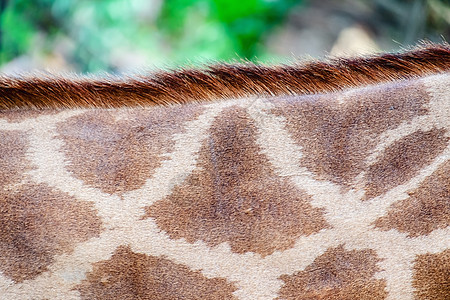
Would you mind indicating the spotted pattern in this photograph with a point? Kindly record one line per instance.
(402, 160)
(432, 276)
(336, 274)
(333, 196)
(426, 209)
(233, 196)
(12, 159)
(117, 151)
(31, 232)
(337, 132)
(159, 278)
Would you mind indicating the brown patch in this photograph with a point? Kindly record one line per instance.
(120, 155)
(403, 159)
(234, 195)
(336, 274)
(427, 208)
(129, 275)
(336, 138)
(13, 164)
(432, 276)
(18, 115)
(37, 223)
(220, 81)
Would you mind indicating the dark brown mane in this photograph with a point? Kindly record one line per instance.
(219, 81)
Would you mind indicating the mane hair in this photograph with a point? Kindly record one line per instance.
(219, 81)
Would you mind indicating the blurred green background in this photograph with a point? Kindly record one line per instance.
(132, 35)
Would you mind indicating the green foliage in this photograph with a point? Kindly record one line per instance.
(95, 31)
(17, 32)
(101, 35)
(218, 26)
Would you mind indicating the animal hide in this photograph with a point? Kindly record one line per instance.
(324, 180)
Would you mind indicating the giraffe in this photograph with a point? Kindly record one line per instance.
(322, 180)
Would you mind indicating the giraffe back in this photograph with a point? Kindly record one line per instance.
(329, 180)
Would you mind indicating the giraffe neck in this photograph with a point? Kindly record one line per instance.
(338, 193)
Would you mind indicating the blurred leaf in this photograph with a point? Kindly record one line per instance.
(94, 35)
(245, 23)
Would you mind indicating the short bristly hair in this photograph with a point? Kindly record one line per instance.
(219, 81)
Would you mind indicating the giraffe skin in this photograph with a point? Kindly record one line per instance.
(333, 195)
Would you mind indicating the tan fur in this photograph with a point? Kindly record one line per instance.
(329, 180)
